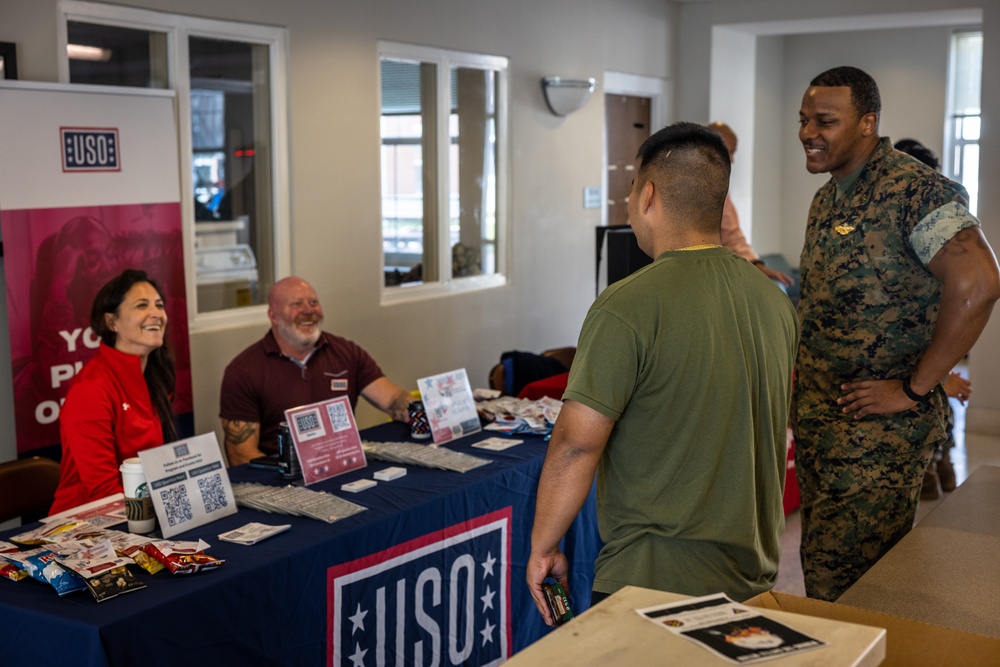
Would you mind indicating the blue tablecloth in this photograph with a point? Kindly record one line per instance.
(434, 566)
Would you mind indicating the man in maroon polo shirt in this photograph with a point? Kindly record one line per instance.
(296, 363)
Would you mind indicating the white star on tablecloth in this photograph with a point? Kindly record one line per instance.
(487, 633)
(358, 657)
(488, 599)
(358, 620)
(488, 564)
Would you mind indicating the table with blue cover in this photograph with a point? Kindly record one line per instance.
(431, 573)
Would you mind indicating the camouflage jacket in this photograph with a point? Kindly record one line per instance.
(869, 303)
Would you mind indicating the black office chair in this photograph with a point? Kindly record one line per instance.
(27, 487)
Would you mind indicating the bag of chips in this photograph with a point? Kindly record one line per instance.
(103, 571)
(130, 546)
(9, 570)
(182, 557)
(41, 565)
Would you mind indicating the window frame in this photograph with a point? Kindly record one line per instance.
(956, 146)
(446, 60)
(178, 28)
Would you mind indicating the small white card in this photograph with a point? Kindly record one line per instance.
(252, 533)
(389, 474)
(360, 485)
(497, 444)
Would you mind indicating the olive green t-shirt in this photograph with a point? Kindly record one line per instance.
(692, 357)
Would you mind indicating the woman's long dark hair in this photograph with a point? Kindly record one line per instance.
(160, 374)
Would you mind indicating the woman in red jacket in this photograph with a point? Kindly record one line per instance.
(119, 403)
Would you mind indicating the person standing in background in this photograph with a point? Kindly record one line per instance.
(732, 234)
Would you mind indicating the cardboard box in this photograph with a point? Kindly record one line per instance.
(612, 633)
(909, 643)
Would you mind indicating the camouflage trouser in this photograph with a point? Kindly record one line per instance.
(848, 527)
(854, 508)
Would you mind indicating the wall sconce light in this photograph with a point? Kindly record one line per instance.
(564, 96)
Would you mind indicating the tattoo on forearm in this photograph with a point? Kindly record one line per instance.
(238, 432)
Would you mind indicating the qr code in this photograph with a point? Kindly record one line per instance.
(308, 421)
(213, 493)
(338, 416)
(176, 505)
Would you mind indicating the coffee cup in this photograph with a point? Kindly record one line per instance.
(138, 502)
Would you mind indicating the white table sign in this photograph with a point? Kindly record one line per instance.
(189, 483)
(450, 407)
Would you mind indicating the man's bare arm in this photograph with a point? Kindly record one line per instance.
(388, 397)
(578, 440)
(242, 440)
(970, 285)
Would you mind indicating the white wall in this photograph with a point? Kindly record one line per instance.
(909, 63)
(911, 67)
(334, 142)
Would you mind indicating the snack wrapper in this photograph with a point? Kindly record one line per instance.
(44, 534)
(41, 565)
(103, 571)
(182, 557)
(130, 546)
(9, 570)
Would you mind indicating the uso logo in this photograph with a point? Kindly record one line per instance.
(90, 149)
(441, 599)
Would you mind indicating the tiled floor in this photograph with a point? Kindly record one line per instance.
(971, 451)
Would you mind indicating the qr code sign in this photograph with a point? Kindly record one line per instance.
(213, 493)
(339, 418)
(176, 505)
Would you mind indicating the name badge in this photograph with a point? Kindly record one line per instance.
(338, 385)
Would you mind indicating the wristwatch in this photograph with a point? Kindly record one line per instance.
(913, 396)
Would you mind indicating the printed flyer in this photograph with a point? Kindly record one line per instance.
(738, 633)
(449, 404)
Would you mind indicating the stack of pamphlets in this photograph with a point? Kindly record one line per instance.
(422, 455)
(294, 500)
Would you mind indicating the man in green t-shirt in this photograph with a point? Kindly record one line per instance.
(677, 399)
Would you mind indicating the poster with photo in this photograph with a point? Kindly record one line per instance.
(96, 191)
(450, 406)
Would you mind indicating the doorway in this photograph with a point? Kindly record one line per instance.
(627, 125)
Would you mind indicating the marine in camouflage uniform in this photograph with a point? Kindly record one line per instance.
(868, 309)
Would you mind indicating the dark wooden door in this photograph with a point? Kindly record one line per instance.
(627, 121)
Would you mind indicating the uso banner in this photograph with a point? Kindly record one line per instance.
(56, 260)
(441, 599)
(96, 190)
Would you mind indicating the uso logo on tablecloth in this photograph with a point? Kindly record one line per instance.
(90, 149)
(441, 599)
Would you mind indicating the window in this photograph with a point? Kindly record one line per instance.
(229, 82)
(443, 124)
(964, 113)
